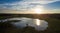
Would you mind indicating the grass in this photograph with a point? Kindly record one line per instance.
(53, 24)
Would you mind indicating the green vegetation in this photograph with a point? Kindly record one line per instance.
(53, 25)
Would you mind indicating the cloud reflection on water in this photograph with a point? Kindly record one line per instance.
(31, 22)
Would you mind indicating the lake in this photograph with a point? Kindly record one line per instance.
(24, 21)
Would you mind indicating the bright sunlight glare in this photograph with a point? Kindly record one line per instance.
(37, 22)
(38, 9)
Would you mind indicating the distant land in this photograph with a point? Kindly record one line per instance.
(57, 16)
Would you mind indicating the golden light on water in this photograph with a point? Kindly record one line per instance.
(37, 22)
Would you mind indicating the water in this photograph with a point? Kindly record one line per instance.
(36, 23)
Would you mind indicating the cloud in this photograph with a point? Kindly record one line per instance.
(25, 5)
(40, 1)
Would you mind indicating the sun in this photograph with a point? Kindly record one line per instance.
(38, 10)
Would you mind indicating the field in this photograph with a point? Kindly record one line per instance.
(52, 19)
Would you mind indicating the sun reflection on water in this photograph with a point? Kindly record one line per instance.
(37, 22)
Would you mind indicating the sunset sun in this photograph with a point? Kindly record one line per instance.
(38, 9)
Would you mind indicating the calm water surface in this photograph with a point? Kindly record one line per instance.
(37, 23)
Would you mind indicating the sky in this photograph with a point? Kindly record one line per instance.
(28, 6)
